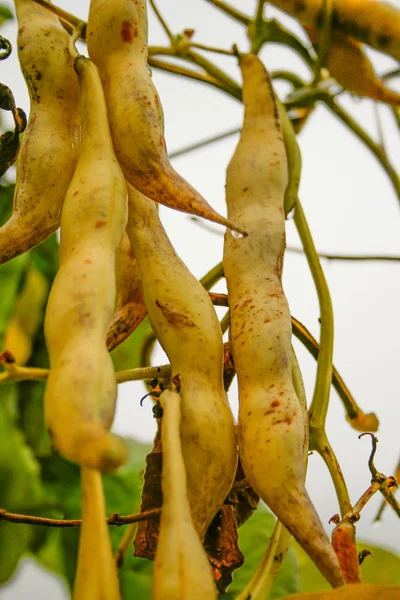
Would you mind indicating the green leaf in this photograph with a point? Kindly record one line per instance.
(46, 257)
(62, 488)
(128, 354)
(253, 539)
(14, 542)
(383, 567)
(5, 14)
(6, 202)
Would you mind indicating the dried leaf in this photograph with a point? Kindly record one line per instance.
(221, 544)
(148, 531)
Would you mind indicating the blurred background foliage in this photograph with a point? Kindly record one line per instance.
(36, 481)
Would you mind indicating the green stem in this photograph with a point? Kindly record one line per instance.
(204, 143)
(367, 140)
(143, 373)
(213, 276)
(354, 412)
(325, 40)
(320, 401)
(230, 11)
(225, 322)
(322, 446)
(213, 70)
(182, 72)
(264, 577)
(163, 22)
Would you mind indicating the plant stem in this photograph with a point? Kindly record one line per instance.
(163, 23)
(320, 401)
(225, 322)
(230, 11)
(65, 16)
(114, 519)
(324, 40)
(354, 412)
(264, 577)
(213, 276)
(322, 446)
(204, 142)
(348, 257)
(367, 140)
(124, 544)
(182, 72)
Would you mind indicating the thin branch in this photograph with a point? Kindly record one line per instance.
(212, 49)
(366, 139)
(182, 72)
(18, 373)
(354, 412)
(114, 519)
(230, 11)
(65, 16)
(320, 401)
(219, 299)
(204, 142)
(259, 16)
(324, 40)
(125, 544)
(213, 276)
(350, 257)
(163, 22)
(225, 322)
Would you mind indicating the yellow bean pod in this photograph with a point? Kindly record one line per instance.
(271, 422)
(81, 389)
(348, 63)
(131, 309)
(27, 316)
(96, 574)
(117, 42)
(181, 568)
(373, 22)
(186, 325)
(48, 153)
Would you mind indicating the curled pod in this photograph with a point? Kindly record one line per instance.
(344, 544)
(96, 574)
(271, 428)
(117, 42)
(81, 389)
(348, 63)
(131, 309)
(373, 22)
(184, 320)
(48, 153)
(181, 568)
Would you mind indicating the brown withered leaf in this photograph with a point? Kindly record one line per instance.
(147, 532)
(229, 367)
(221, 544)
(242, 497)
(221, 540)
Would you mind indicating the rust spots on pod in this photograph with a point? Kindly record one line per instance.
(128, 32)
(99, 224)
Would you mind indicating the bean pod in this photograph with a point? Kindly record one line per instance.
(48, 153)
(271, 422)
(184, 320)
(81, 389)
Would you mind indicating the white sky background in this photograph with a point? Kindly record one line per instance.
(351, 208)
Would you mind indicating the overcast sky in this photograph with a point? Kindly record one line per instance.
(351, 208)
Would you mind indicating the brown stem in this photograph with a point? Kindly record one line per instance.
(114, 519)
